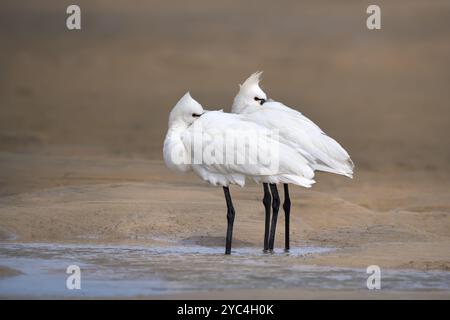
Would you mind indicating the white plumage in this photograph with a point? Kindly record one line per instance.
(276, 144)
(280, 162)
(322, 152)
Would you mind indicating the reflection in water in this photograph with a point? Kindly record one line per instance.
(137, 270)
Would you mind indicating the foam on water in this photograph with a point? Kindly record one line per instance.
(109, 271)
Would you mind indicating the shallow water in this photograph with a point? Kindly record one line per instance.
(114, 271)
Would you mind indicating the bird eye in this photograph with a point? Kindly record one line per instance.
(260, 100)
(196, 115)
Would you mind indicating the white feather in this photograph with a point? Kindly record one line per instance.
(323, 152)
(305, 136)
(292, 167)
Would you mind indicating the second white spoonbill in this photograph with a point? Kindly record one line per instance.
(322, 152)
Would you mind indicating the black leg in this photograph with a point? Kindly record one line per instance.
(230, 219)
(275, 207)
(267, 200)
(287, 214)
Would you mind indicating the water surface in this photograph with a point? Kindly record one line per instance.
(127, 271)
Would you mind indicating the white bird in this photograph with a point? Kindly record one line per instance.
(193, 132)
(322, 152)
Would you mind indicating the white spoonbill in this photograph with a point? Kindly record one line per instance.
(214, 161)
(322, 152)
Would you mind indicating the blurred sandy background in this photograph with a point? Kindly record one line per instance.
(83, 116)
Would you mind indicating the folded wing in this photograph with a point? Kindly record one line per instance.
(232, 149)
(299, 132)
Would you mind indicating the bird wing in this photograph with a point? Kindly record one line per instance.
(230, 145)
(299, 132)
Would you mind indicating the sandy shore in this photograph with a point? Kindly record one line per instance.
(397, 220)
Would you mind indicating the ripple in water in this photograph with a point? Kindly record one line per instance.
(109, 271)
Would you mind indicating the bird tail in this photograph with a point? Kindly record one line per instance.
(333, 158)
(345, 170)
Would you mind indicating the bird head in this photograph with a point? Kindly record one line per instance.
(185, 112)
(250, 95)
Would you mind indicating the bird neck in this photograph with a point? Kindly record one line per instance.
(238, 104)
(175, 154)
(177, 125)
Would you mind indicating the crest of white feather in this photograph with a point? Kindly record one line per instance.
(251, 81)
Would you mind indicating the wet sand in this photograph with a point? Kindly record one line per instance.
(83, 117)
(102, 201)
(396, 220)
